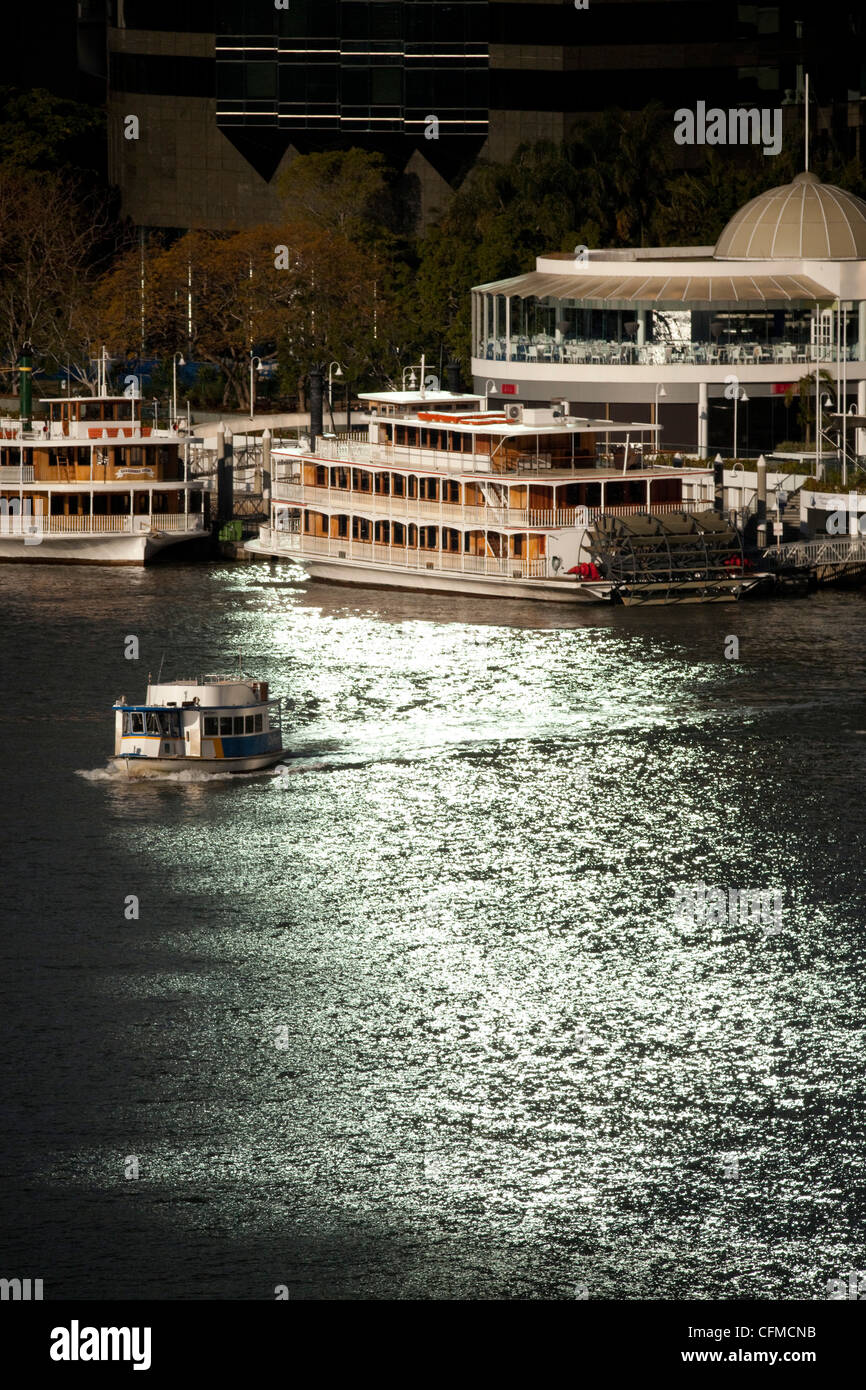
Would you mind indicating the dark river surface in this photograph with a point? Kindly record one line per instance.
(419, 1019)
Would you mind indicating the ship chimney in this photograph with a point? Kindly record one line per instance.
(316, 425)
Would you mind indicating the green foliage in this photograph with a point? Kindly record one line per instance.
(40, 131)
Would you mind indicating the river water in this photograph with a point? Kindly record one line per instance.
(419, 1018)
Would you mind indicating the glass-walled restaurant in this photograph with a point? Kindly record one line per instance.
(551, 329)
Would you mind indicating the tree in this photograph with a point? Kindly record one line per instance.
(51, 238)
(804, 392)
(41, 131)
(622, 159)
(296, 287)
(344, 191)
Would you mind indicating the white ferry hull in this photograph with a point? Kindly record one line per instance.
(158, 767)
(112, 548)
(372, 576)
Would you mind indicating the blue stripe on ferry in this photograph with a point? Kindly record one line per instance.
(247, 745)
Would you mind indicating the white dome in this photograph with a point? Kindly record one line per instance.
(801, 220)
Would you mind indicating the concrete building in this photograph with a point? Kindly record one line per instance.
(227, 91)
(704, 340)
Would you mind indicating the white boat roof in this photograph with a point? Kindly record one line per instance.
(425, 397)
(498, 424)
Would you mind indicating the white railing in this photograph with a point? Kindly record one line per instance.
(402, 509)
(20, 474)
(101, 525)
(588, 353)
(401, 557)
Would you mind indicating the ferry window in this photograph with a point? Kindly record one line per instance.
(413, 487)
(321, 475)
(398, 484)
(342, 526)
(153, 724)
(249, 723)
(133, 723)
(518, 546)
(225, 727)
(453, 491)
(211, 726)
(239, 724)
(258, 723)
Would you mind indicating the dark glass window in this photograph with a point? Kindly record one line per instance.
(225, 727)
(211, 726)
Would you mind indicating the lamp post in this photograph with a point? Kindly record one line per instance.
(339, 372)
(823, 401)
(177, 359)
(253, 362)
(660, 394)
(739, 395)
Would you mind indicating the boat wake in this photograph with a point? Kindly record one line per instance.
(188, 775)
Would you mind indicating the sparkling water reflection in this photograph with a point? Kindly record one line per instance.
(416, 1018)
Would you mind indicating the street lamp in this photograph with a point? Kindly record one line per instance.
(660, 394)
(177, 360)
(824, 400)
(253, 362)
(339, 372)
(739, 395)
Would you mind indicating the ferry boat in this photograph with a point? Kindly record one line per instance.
(212, 724)
(443, 493)
(92, 484)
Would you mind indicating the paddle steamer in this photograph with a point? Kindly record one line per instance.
(93, 484)
(443, 493)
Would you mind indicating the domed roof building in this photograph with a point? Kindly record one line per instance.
(677, 329)
(801, 220)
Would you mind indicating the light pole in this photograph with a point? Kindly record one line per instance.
(660, 394)
(819, 424)
(177, 359)
(739, 395)
(253, 361)
(339, 372)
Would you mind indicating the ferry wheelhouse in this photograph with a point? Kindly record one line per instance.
(93, 484)
(212, 723)
(443, 493)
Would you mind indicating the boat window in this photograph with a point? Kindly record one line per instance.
(134, 723)
(249, 721)
(239, 724)
(225, 727)
(211, 726)
(258, 719)
(153, 726)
